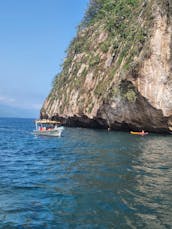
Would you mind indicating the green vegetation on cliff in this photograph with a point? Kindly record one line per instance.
(109, 45)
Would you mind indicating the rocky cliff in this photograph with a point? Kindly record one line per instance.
(117, 72)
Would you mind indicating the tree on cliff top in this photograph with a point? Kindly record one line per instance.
(93, 8)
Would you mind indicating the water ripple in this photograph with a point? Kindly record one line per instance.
(85, 179)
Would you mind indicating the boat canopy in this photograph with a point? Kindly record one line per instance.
(46, 121)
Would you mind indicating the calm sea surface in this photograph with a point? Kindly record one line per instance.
(84, 179)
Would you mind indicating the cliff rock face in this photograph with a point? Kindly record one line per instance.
(118, 71)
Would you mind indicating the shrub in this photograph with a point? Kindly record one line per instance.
(131, 96)
(94, 60)
(104, 47)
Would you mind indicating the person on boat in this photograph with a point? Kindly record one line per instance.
(55, 127)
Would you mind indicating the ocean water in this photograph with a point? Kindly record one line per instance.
(84, 179)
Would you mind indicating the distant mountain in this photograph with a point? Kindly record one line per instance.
(9, 111)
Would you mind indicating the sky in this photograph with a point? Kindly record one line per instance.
(34, 36)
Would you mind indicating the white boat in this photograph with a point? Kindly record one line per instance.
(46, 127)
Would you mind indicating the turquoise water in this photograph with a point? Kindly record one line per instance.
(84, 179)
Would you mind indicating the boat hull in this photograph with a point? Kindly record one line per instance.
(52, 133)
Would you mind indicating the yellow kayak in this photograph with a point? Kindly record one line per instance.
(142, 133)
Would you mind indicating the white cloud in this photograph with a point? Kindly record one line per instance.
(6, 100)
